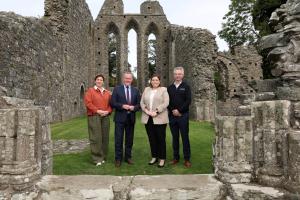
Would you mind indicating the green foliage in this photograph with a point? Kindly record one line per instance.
(262, 11)
(152, 56)
(238, 28)
(246, 22)
(201, 137)
(112, 56)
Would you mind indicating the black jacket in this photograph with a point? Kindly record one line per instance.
(180, 98)
(118, 99)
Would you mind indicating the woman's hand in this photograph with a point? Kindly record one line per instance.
(147, 111)
(102, 113)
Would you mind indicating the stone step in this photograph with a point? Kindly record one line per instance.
(162, 187)
(202, 187)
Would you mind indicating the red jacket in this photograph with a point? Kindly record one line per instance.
(95, 100)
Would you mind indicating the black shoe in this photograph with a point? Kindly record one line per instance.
(161, 166)
(153, 162)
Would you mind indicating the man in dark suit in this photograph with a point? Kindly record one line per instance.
(126, 102)
(180, 100)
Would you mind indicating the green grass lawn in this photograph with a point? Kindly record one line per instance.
(201, 137)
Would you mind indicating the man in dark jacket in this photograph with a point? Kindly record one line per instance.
(126, 101)
(180, 100)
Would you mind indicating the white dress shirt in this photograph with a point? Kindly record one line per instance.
(152, 93)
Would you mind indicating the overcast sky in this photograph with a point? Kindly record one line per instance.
(206, 14)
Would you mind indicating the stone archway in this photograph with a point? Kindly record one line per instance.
(151, 19)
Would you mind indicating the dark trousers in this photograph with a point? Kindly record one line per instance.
(121, 128)
(180, 126)
(157, 139)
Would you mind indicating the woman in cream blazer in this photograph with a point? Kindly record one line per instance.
(154, 103)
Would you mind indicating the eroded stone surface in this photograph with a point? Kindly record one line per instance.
(70, 146)
(139, 187)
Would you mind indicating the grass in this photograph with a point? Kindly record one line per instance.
(201, 137)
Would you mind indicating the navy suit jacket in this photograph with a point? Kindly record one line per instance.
(118, 99)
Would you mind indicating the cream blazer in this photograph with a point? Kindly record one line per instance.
(160, 104)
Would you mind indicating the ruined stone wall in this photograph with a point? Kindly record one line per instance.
(270, 142)
(25, 145)
(73, 22)
(151, 19)
(196, 51)
(48, 59)
(31, 60)
(241, 68)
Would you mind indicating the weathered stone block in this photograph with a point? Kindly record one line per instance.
(256, 192)
(26, 122)
(10, 149)
(288, 93)
(271, 114)
(233, 149)
(7, 123)
(294, 161)
(265, 96)
(25, 148)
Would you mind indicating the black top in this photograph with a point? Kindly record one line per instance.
(180, 98)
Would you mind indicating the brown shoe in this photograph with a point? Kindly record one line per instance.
(187, 164)
(174, 162)
(117, 163)
(129, 161)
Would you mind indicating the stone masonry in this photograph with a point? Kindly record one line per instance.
(152, 19)
(50, 62)
(239, 69)
(47, 60)
(25, 145)
(261, 144)
(196, 51)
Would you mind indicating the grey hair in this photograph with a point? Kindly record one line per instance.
(179, 68)
(127, 72)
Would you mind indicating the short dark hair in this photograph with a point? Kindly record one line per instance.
(153, 76)
(99, 75)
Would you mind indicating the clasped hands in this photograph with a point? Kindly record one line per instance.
(151, 113)
(102, 113)
(128, 107)
(176, 113)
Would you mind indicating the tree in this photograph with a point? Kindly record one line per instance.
(112, 63)
(246, 22)
(261, 12)
(238, 28)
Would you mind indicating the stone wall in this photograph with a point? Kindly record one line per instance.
(31, 61)
(151, 20)
(48, 60)
(239, 68)
(196, 51)
(73, 22)
(270, 141)
(25, 146)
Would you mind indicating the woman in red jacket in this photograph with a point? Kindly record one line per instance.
(97, 101)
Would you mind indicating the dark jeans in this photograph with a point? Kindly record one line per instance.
(157, 139)
(180, 126)
(121, 128)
